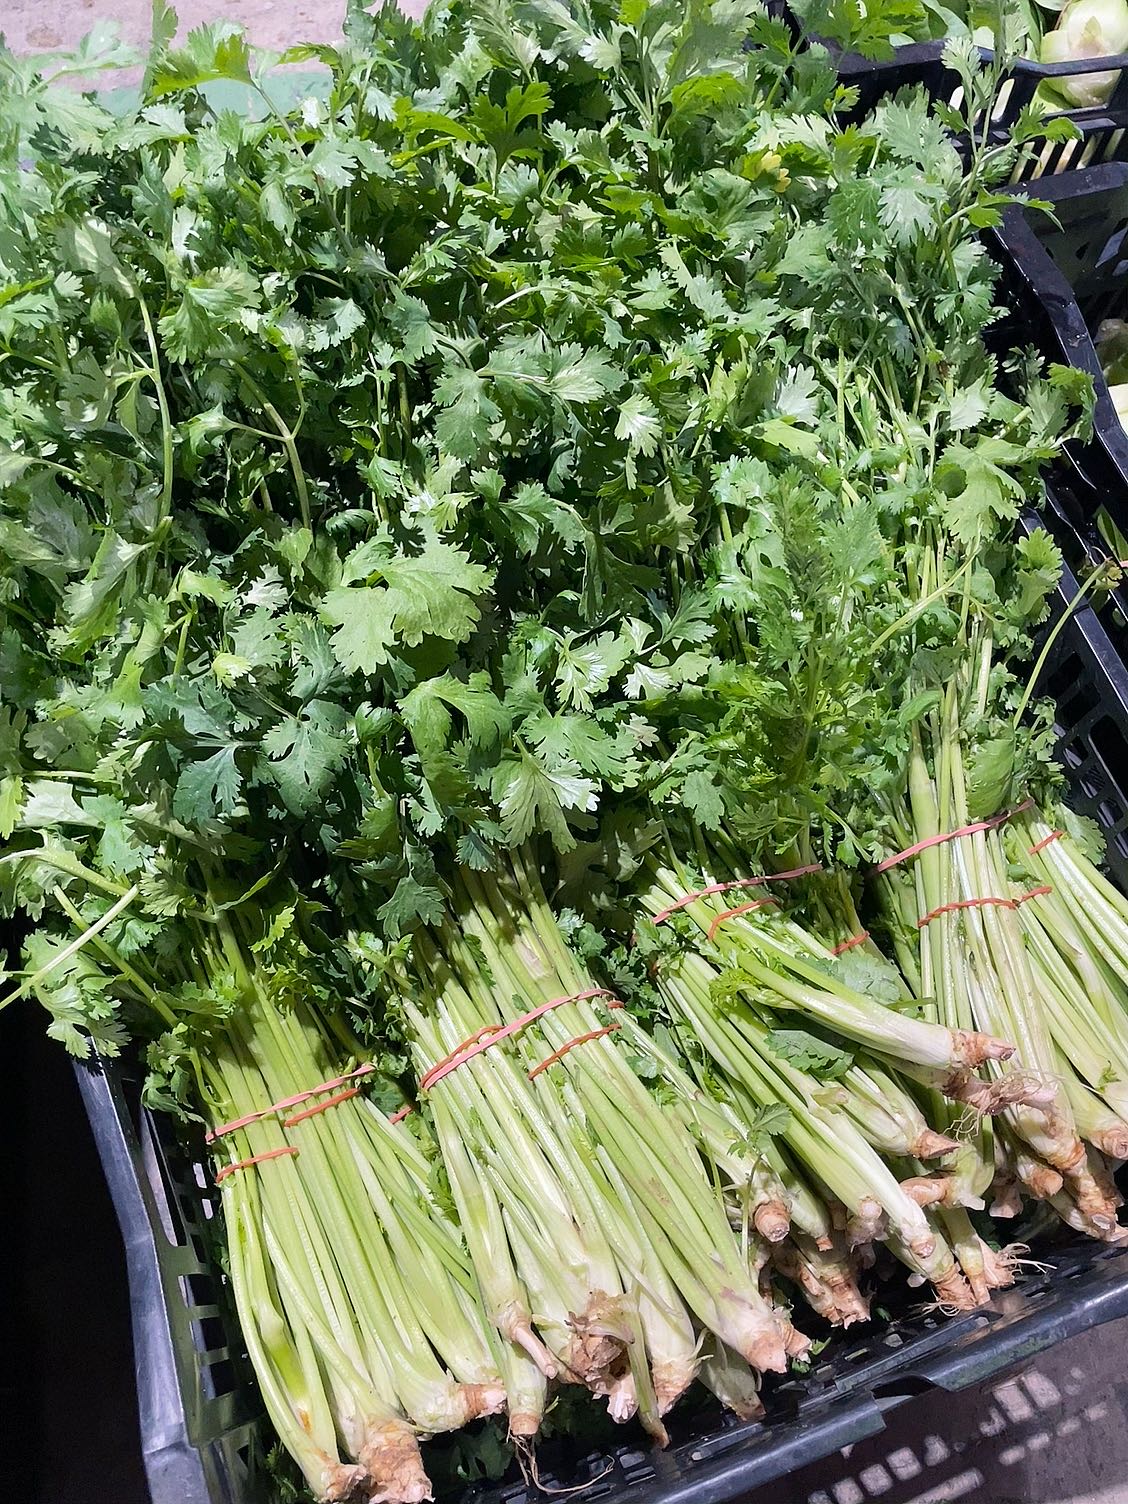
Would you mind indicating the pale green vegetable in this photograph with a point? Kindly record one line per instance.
(1119, 395)
(1085, 29)
(1111, 342)
(1112, 349)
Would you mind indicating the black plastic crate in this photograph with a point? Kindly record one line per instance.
(1102, 136)
(1101, 130)
(203, 1432)
(922, 63)
(1063, 273)
(200, 1416)
(1087, 678)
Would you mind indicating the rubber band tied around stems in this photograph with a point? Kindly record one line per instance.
(493, 1034)
(304, 1096)
(311, 1112)
(458, 1049)
(738, 882)
(255, 1159)
(571, 1045)
(295, 1101)
(951, 835)
(741, 908)
(843, 946)
(1054, 835)
(978, 903)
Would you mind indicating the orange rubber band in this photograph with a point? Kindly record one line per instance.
(255, 1159)
(476, 1044)
(571, 1045)
(951, 835)
(311, 1112)
(398, 1117)
(739, 882)
(295, 1101)
(1054, 835)
(838, 950)
(465, 1045)
(977, 903)
(741, 908)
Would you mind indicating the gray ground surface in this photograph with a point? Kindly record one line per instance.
(1057, 1434)
(43, 25)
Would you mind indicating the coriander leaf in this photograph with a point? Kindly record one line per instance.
(429, 594)
(426, 712)
(207, 788)
(411, 903)
(531, 797)
(303, 753)
(807, 1052)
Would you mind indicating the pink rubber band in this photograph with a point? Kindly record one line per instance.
(741, 908)
(398, 1117)
(739, 882)
(951, 835)
(311, 1112)
(838, 950)
(571, 1045)
(476, 1045)
(294, 1101)
(255, 1159)
(977, 903)
(482, 1033)
(1054, 835)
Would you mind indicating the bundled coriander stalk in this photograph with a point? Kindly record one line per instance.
(189, 625)
(355, 1297)
(499, 972)
(852, 1121)
(913, 568)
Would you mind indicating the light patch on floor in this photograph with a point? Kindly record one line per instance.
(55, 25)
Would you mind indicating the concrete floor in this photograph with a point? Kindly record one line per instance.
(47, 25)
(1056, 1434)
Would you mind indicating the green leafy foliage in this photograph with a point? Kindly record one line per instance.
(822, 1058)
(461, 458)
(557, 443)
